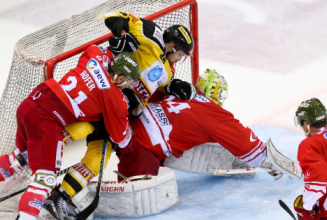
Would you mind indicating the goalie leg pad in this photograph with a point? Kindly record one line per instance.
(137, 198)
(205, 158)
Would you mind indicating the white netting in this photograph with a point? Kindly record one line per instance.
(31, 52)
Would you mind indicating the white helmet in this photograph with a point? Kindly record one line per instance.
(213, 86)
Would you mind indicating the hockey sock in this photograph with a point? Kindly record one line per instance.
(31, 203)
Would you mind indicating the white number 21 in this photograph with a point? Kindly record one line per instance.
(73, 82)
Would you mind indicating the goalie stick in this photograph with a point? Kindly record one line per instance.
(285, 207)
(59, 173)
(91, 208)
(217, 172)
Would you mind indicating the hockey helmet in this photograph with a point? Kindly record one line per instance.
(312, 111)
(213, 86)
(182, 38)
(125, 63)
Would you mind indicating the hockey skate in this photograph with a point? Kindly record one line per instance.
(58, 207)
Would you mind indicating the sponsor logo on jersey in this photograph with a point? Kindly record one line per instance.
(325, 136)
(159, 114)
(201, 98)
(98, 75)
(99, 58)
(4, 174)
(155, 73)
(253, 138)
(158, 35)
(141, 90)
(307, 175)
(185, 34)
(36, 204)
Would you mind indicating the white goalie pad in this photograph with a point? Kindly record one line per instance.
(283, 163)
(205, 158)
(137, 198)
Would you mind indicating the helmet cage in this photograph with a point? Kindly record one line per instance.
(213, 86)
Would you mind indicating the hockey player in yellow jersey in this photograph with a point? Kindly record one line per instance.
(145, 40)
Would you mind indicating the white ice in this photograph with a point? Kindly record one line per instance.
(273, 55)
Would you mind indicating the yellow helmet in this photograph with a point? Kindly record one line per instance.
(213, 86)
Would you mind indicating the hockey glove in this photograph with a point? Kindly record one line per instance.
(181, 89)
(127, 43)
(303, 214)
(136, 105)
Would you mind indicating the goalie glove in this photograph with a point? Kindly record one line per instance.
(303, 214)
(127, 43)
(181, 89)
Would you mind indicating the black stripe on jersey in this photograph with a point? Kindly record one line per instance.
(149, 28)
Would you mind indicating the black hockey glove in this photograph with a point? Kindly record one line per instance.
(99, 133)
(136, 106)
(127, 43)
(181, 89)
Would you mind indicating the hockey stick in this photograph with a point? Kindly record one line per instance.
(285, 207)
(59, 173)
(217, 172)
(91, 208)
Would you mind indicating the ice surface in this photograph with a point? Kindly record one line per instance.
(273, 56)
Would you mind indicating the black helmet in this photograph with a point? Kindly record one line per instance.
(181, 37)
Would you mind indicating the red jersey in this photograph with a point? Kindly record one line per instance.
(88, 91)
(312, 156)
(172, 126)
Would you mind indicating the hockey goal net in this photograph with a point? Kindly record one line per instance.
(54, 50)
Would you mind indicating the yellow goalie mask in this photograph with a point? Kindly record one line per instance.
(213, 86)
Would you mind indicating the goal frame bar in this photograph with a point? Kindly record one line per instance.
(50, 64)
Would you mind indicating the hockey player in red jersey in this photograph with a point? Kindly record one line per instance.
(170, 125)
(85, 93)
(311, 116)
(156, 52)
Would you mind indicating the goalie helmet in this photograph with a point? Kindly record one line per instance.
(125, 63)
(181, 37)
(312, 111)
(213, 86)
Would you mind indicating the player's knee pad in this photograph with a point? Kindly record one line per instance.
(92, 158)
(43, 182)
(205, 158)
(137, 198)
